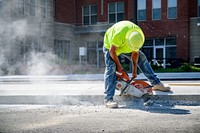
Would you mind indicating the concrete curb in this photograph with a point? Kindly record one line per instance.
(184, 84)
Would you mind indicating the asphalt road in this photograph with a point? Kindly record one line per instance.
(99, 119)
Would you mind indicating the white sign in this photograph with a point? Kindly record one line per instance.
(82, 51)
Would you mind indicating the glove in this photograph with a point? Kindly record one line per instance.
(122, 75)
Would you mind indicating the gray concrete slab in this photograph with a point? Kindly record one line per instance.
(88, 92)
(77, 88)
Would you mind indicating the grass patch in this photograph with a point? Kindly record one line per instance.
(184, 68)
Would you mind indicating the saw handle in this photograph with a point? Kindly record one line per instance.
(128, 83)
(131, 80)
(122, 75)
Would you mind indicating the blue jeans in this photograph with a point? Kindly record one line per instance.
(110, 76)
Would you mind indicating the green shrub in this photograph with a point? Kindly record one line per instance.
(154, 67)
(185, 67)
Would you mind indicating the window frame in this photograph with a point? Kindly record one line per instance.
(21, 7)
(32, 6)
(168, 17)
(90, 15)
(1, 6)
(116, 13)
(150, 48)
(160, 10)
(43, 8)
(142, 9)
(62, 48)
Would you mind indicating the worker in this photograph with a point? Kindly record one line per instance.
(122, 38)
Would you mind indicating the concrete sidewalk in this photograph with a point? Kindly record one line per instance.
(96, 77)
(89, 92)
(89, 88)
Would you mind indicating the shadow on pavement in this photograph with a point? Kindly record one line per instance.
(158, 108)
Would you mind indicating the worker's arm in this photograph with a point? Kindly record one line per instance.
(134, 58)
(113, 55)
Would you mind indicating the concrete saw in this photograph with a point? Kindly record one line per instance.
(127, 86)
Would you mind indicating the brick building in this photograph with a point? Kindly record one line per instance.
(171, 27)
(67, 32)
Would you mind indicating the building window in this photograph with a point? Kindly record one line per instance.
(43, 8)
(172, 9)
(198, 8)
(32, 7)
(1, 3)
(171, 41)
(62, 50)
(21, 7)
(148, 42)
(159, 42)
(116, 12)
(89, 15)
(148, 48)
(95, 54)
(28, 45)
(170, 52)
(156, 11)
(141, 10)
(161, 52)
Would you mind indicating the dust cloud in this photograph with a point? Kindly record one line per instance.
(17, 57)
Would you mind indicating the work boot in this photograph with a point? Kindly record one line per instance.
(161, 87)
(111, 104)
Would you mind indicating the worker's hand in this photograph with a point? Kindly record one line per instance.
(122, 75)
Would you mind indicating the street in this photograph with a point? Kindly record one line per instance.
(76, 107)
(86, 119)
(62, 61)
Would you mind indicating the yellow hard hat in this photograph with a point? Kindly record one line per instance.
(135, 40)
